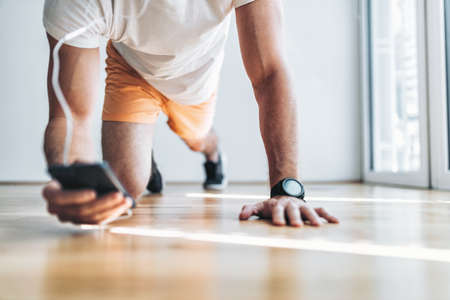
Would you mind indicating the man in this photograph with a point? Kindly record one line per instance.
(166, 56)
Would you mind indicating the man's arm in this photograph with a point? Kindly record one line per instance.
(78, 77)
(260, 35)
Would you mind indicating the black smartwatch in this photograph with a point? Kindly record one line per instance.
(288, 187)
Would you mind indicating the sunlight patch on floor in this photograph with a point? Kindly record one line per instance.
(358, 248)
(317, 199)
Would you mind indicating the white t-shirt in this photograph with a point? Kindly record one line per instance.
(176, 45)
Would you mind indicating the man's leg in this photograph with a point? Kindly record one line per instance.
(207, 145)
(214, 165)
(193, 124)
(129, 114)
(127, 148)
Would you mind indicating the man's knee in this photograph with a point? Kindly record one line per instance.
(134, 185)
(195, 145)
(137, 191)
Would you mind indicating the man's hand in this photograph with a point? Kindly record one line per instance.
(83, 206)
(283, 209)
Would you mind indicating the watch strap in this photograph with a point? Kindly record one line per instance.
(277, 190)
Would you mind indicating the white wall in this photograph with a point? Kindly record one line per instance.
(322, 46)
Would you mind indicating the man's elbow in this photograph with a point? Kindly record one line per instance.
(269, 82)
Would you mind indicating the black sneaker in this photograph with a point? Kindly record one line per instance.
(215, 177)
(155, 184)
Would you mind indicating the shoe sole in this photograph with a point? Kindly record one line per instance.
(217, 187)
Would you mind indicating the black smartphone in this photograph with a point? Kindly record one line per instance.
(95, 176)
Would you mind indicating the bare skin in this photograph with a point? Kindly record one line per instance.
(127, 146)
(79, 82)
(260, 35)
(79, 79)
(208, 146)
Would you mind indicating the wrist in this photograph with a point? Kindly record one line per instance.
(276, 179)
(82, 145)
(288, 187)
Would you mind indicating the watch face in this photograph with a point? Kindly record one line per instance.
(292, 187)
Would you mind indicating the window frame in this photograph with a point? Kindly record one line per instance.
(438, 64)
(420, 178)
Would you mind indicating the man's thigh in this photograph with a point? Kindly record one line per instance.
(127, 148)
(191, 122)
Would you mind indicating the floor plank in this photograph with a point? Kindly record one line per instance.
(392, 244)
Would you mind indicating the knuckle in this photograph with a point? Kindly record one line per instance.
(57, 199)
(96, 218)
(278, 206)
(83, 211)
(83, 197)
(76, 210)
(284, 200)
(272, 202)
(47, 191)
(308, 208)
(44, 193)
(112, 198)
(292, 204)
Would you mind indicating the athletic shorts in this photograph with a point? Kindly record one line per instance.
(130, 98)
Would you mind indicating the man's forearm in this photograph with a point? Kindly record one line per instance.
(278, 125)
(82, 146)
(78, 79)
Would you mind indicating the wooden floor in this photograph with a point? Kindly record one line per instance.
(392, 244)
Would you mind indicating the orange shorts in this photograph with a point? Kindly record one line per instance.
(130, 98)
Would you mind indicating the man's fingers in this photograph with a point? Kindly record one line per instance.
(50, 189)
(52, 185)
(278, 215)
(284, 210)
(246, 212)
(106, 202)
(64, 218)
(104, 216)
(324, 214)
(249, 210)
(293, 214)
(101, 204)
(82, 206)
(51, 208)
(74, 197)
(310, 214)
(110, 214)
(55, 195)
(95, 211)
